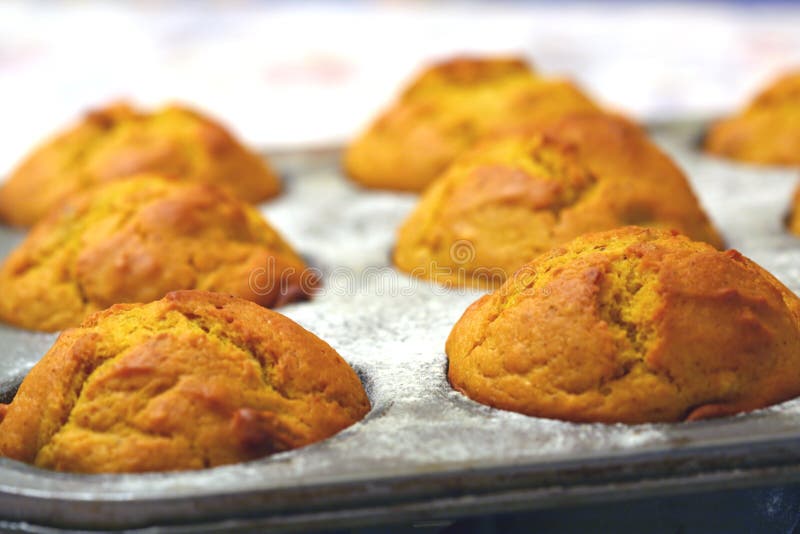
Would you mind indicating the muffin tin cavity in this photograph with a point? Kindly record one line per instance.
(8, 388)
(19, 352)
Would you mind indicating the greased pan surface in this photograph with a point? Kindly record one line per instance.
(425, 450)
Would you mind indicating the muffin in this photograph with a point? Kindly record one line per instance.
(445, 110)
(517, 195)
(136, 239)
(119, 141)
(793, 219)
(631, 325)
(767, 131)
(193, 380)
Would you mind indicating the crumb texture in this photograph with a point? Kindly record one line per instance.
(766, 131)
(136, 239)
(631, 325)
(194, 380)
(445, 110)
(119, 141)
(516, 195)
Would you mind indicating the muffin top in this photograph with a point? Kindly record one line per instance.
(194, 380)
(466, 72)
(767, 131)
(136, 239)
(516, 195)
(631, 325)
(119, 141)
(445, 110)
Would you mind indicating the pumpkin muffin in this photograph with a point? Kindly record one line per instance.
(631, 325)
(445, 110)
(517, 195)
(136, 239)
(194, 380)
(767, 131)
(119, 141)
(793, 220)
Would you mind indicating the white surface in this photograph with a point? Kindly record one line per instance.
(310, 73)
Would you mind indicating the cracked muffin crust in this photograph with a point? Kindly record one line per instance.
(519, 194)
(445, 110)
(194, 380)
(767, 131)
(631, 325)
(136, 239)
(119, 141)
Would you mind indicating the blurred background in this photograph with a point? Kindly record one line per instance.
(309, 73)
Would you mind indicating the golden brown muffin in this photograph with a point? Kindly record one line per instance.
(517, 195)
(134, 240)
(119, 141)
(631, 325)
(445, 110)
(194, 380)
(767, 131)
(793, 220)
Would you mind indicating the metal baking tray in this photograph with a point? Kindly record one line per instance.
(425, 452)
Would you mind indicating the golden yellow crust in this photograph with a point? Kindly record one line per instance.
(793, 220)
(465, 71)
(193, 380)
(631, 325)
(445, 110)
(118, 141)
(767, 131)
(136, 239)
(516, 196)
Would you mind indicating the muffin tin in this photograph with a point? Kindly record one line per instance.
(425, 451)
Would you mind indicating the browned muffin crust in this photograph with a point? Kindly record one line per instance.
(767, 131)
(793, 218)
(517, 195)
(119, 141)
(445, 110)
(631, 325)
(136, 239)
(194, 380)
